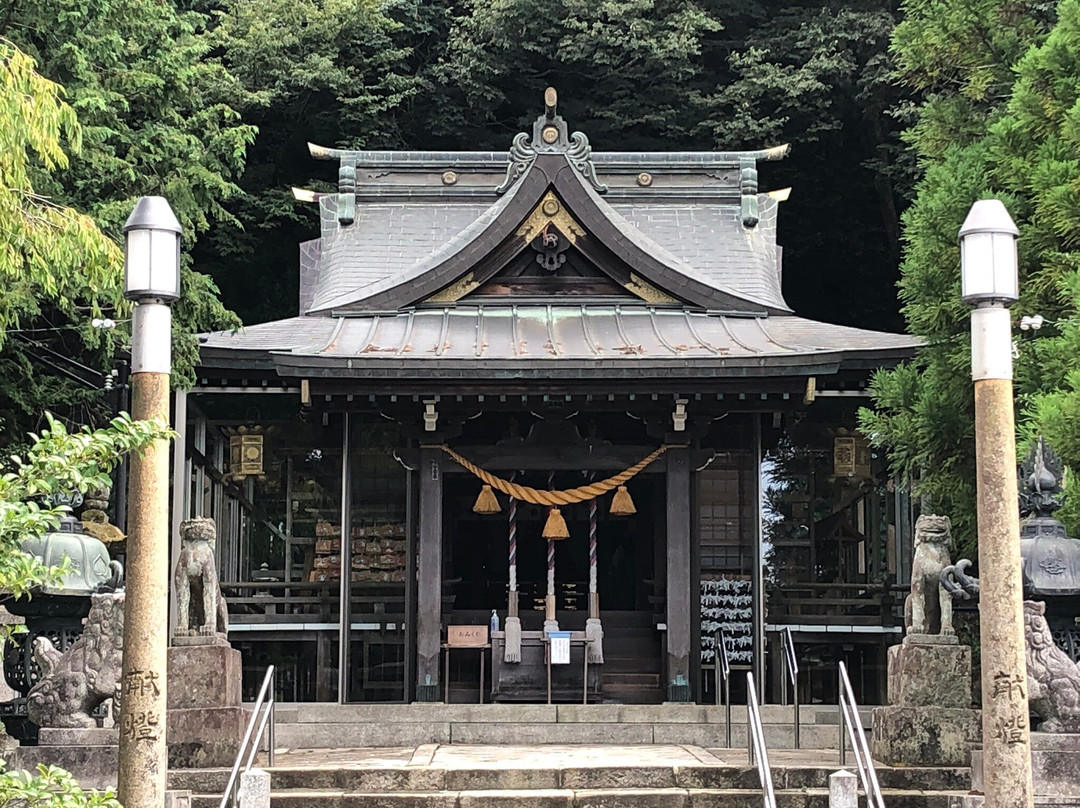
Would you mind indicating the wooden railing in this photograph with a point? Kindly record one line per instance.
(278, 602)
(844, 603)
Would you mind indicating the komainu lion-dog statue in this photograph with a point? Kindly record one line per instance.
(928, 609)
(201, 609)
(75, 683)
(1053, 678)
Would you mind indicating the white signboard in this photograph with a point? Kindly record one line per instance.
(560, 647)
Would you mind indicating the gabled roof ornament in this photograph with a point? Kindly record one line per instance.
(550, 136)
(580, 156)
(522, 156)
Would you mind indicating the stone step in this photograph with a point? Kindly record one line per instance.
(313, 713)
(580, 798)
(413, 779)
(348, 735)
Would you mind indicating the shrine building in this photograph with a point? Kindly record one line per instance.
(560, 386)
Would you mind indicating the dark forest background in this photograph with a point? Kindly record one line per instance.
(631, 74)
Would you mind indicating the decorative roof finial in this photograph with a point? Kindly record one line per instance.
(550, 136)
(551, 101)
(1040, 481)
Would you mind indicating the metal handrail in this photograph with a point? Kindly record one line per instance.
(723, 674)
(756, 743)
(791, 666)
(264, 705)
(849, 717)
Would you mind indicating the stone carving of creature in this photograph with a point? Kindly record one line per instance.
(928, 609)
(1053, 678)
(201, 610)
(77, 682)
(45, 655)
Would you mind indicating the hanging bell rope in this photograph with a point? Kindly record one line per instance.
(569, 496)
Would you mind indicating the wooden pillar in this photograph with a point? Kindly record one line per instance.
(758, 572)
(429, 577)
(324, 672)
(679, 573)
(180, 490)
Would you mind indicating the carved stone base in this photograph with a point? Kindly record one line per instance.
(924, 736)
(92, 755)
(1055, 767)
(59, 736)
(204, 675)
(930, 672)
(188, 640)
(206, 721)
(206, 737)
(930, 639)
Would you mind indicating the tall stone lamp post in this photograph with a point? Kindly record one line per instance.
(152, 281)
(990, 284)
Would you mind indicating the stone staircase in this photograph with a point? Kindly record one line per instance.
(652, 776)
(556, 756)
(333, 726)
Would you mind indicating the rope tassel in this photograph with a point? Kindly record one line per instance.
(486, 502)
(621, 503)
(555, 527)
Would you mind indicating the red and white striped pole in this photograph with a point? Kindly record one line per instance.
(551, 623)
(512, 645)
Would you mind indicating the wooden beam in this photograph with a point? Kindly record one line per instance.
(429, 574)
(567, 458)
(680, 587)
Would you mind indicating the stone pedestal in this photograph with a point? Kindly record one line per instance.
(206, 720)
(1055, 768)
(929, 671)
(92, 755)
(929, 720)
(924, 736)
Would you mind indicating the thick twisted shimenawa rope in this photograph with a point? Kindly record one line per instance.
(536, 496)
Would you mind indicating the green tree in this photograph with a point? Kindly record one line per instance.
(820, 76)
(962, 57)
(334, 72)
(50, 787)
(57, 462)
(624, 69)
(154, 117)
(54, 261)
(49, 252)
(1034, 151)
